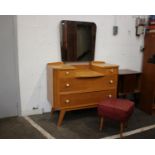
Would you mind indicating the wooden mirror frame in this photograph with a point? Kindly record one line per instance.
(68, 31)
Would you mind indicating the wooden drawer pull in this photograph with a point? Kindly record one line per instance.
(67, 85)
(67, 73)
(67, 101)
(110, 96)
(111, 81)
(112, 70)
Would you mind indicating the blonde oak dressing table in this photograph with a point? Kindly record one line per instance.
(84, 82)
(80, 86)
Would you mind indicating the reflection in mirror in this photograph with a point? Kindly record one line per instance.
(77, 41)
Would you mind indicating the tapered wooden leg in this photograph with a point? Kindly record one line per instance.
(61, 116)
(52, 111)
(101, 123)
(121, 129)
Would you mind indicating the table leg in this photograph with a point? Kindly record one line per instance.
(52, 111)
(61, 116)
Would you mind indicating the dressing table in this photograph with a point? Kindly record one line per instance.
(84, 83)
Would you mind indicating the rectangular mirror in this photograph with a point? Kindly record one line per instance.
(77, 41)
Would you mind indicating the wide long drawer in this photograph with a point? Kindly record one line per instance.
(83, 99)
(88, 84)
(73, 73)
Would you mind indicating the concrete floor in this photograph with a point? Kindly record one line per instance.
(150, 134)
(80, 124)
(84, 124)
(18, 128)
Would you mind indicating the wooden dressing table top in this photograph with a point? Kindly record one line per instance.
(105, 65)
(127, 72)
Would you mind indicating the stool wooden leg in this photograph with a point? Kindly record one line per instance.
(121, 129)
(61, 116)
(101, 123)
(126, 124)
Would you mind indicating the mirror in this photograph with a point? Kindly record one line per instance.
(77, 41)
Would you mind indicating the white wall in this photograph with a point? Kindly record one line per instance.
(9, 90)
(39, 43)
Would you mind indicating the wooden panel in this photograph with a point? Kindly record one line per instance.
(128, 83)
(149, 48)
(148, 88)
(148, 76)
(85, 98)
(88, 84)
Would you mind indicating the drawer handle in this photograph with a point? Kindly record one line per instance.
(67, 85)
(110, 96)
(67, 101)
(111, 70)
(67, 73)
(111, 81)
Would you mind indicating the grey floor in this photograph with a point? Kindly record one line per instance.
(81, 124)
(150, 134)
(17, 128)
(84, 124)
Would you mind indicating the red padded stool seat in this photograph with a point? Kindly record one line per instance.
(116, 109)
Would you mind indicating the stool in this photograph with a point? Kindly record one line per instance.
(116, 109)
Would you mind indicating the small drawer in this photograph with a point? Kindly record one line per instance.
(107, 71)
(110, 71)
(66, 73)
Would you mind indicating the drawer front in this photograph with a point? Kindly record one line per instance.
(110, 71)
(72, 73)
(85, 98)
(88, 84)
(66, 74)
(107, 71)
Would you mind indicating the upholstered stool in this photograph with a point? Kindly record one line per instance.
(116, 109)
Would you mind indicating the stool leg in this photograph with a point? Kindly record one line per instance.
(121, 129)
(126, 124)
(101, 123)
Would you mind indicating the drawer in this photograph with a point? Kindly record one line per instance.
(85, 98)
(110, 71)
(66, 73)
(72, 73)
(88, 84)
(106, 71)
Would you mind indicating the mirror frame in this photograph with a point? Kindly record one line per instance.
(68, 40)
